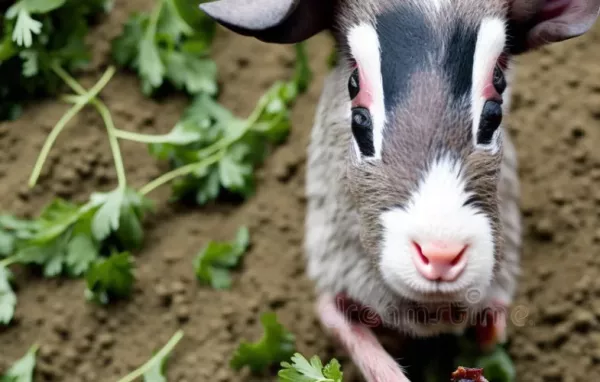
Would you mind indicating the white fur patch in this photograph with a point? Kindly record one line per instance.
(490, 44)
(436, 213)
(364, 46)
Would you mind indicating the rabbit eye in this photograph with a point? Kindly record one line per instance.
(362, 129)
(491, 117)
(499, 80)
(353, 84)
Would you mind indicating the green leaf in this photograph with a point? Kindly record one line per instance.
(110, 278)
(125, 48)
(81, 254)
(43, 6)
(213, 263)
(234, 174)
(301, 370)
(163, 47)
(150, 65)
(157, 372)
(194, 74)
(22, 370)
(275, 346)
(171, 24)
(30, 63)
(56, 219)
(120, 211)
(106, 219)
(303, 75)
(191, 13)
(25, 27)
(228, 149)
(497, 366)
(12, 232)
(8, 298)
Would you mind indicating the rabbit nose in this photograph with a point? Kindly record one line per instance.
(440, 260)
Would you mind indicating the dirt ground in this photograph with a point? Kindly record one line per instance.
(556, 126)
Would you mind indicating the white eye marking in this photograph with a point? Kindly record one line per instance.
(364, 46)
(491, 40)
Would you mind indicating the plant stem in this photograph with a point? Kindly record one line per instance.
(106, 118)
(85, 99)
(208, 155)
(138, 137)
(161, 354)
(181, 171)
(114, 143)
(8, 261)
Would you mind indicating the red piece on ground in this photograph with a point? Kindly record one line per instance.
(463, 374)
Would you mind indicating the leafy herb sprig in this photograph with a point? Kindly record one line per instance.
(301, 370)
(169, 46)
(36, 35)
(276, 345)
(214, 261)
(227, 149)
(22, 370)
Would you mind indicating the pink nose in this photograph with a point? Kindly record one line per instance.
(440, 260)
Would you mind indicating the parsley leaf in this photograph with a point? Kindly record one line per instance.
(212, 263)
(498, 366)
(275, 346)
(22, 370)
(13, 230)
(228, 149)
(120, 211)
(61, 242)
(300, 370)
(162, 47)
(35, 35)
(110, 278)
(8, 298)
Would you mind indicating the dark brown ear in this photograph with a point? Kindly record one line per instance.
(276, 21)
(535, 23)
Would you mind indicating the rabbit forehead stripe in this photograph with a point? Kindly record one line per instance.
(437, 212)
(364, 46)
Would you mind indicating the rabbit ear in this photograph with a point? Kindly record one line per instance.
(277, 21)
(541, 22)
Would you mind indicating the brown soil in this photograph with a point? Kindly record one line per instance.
(556, 125)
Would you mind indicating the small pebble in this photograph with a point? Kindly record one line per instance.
(583, 320)
(178, 287)
(544, 229)
(183, 313)
(105, 340)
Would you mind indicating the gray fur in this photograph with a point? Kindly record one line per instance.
(338, 260)
(428, 117)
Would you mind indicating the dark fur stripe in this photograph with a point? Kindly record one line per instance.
(405, 38)
(458, 63)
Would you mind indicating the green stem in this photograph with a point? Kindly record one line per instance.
(58, 128)
(113, 142)
(208, 155)
(106, 118)
(181, 171)
(161, 354)
(151, 31)
(138, 137)
(8, 261)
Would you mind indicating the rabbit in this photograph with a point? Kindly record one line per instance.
(412, 181)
